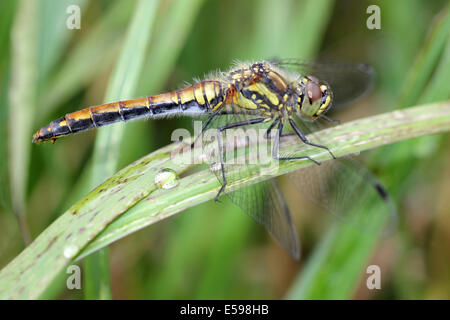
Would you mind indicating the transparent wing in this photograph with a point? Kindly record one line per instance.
(266, 205)
(262, 201)
(348, 190)
(347, 80)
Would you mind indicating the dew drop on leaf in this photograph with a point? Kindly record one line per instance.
(70, 251)
(166, 179)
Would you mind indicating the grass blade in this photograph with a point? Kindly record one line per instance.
(172, 30)
(22, 104)
(121, 86)
(427, 60)
(342, 254)
(95, 218)
(138, 216)
(76, 71)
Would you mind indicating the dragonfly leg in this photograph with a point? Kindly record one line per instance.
(220, 145)
(302, 137)
(322, 116)
(272, 125)
(204, 127)
(276, 144)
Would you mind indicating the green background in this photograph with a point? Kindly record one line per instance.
(216, 251)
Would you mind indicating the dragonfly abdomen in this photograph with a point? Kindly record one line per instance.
(200, 98)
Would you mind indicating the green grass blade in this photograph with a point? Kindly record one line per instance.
(76, 70)
(140, 215)
(272, 19)
(121, 86)
(427, 60)
(96, 276)
(7, 7)
(439, 86)
(172, 29)
(314, 17)
(22, 104)
(342, 253)
(94, 221)
(173, 25)
(53, 34)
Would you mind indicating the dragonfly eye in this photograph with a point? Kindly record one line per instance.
(313, 92)
(317, 98)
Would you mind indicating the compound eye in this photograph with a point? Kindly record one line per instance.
(313, 92)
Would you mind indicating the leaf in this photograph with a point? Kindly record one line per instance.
(107, 145)
(333, 270)
(130, 200)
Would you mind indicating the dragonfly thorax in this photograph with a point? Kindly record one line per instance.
(261, 88)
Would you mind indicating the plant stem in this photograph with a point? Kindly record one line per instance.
(130, 200)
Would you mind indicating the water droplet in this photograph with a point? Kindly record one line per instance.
(70, 251)
(166, 179)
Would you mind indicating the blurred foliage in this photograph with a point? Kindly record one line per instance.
(47, 70)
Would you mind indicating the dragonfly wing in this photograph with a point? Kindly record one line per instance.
(262, 201)
(347, 80)
(350, 192)
(347, 189)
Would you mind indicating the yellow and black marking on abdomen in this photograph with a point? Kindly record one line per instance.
(200, 98)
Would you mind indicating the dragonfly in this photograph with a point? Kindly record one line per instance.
(284, 95)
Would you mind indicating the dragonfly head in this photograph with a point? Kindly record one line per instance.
(315, 98)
